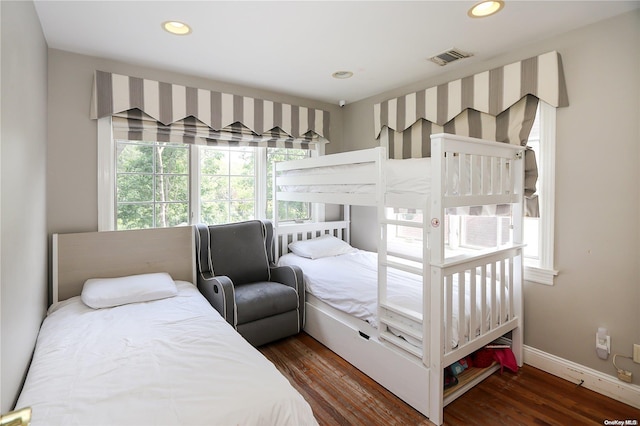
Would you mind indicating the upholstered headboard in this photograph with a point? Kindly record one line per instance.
(78, 257)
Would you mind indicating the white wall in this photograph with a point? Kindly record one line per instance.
(597, 247)
(23, 243)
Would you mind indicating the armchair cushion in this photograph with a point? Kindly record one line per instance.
(238, 251)
(264, 299)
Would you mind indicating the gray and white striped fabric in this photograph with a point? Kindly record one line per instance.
(511, 126)
(490, 92)
(176, 107)
(135, 125)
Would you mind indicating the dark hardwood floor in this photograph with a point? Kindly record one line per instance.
(340, 394)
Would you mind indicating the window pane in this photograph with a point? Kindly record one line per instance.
(227, 184)
(134, 158)
(242, 210)
(171, 214)
(172, 188)
(172, 159)
(531, 224)
(135, 216)
(149, 173)
(134, 188)
(214, 188)
(243, 188)
(242, 162)
(214, 161)
(297, 209)
(286, 210)
(214, 213)
(531, 229)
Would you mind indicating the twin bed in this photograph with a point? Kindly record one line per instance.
(403, 314)
(152, 352)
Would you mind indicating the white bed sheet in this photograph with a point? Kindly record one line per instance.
(174, 361)
(409, 176)
(402, 176)
(349, 283)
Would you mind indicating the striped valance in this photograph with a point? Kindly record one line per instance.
(490, 92)
(135, 125)
(167, 103)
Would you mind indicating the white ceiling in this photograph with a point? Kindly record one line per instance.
(294, 47)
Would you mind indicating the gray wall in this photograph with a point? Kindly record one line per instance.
(597, 243)
(72, 156)
(597, 248)
(23, 244)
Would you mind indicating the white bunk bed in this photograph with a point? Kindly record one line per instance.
(464, 172)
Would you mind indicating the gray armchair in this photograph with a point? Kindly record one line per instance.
(237, 275)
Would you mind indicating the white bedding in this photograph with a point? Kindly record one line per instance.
(173, 361)
(349, 283)
(402, 176)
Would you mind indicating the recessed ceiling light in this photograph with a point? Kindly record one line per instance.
(342, 74)
(176, 27)
(485, 8)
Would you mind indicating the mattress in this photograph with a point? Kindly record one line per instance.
(402, 177)
(407, 181)
(349, 283)
(173, 361)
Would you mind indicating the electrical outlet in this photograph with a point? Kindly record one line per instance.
(625, 376)
(636, 353)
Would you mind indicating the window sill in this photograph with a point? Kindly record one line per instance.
(539, 275)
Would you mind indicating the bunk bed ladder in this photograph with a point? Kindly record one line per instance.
(399, 326)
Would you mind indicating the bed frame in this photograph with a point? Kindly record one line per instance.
(416, 374)
(109, 254)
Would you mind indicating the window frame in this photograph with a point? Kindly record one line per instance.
(107, 180)
(542, 270)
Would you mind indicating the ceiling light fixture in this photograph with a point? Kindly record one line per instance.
(342, 74)
(485, 8)
(176, 27)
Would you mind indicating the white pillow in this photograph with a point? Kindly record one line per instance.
(109, 292)
(324, 246)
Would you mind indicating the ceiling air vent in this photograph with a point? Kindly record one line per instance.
(450, 55)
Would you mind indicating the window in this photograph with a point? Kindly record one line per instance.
(287, 210)
(157, 184)
(477, 232)
(227, 184)
(152, 184)
(539, 232)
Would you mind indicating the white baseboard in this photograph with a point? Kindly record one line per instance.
(592, 379)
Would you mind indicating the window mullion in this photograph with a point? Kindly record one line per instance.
(261, 183)
(194, 184)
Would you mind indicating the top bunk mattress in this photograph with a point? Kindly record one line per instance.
(402, 176)
(173, 361)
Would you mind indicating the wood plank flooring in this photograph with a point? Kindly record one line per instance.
(340, 394)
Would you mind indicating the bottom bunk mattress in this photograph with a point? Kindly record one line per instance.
(349, 283)
(173, 361)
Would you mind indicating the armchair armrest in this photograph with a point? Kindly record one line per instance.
(293, 277)
(219, 292)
